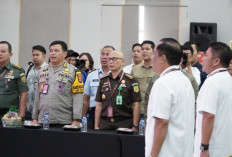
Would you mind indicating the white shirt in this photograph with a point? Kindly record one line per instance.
(215, 97)
(172, 98)
(196, 74)
(127, 69)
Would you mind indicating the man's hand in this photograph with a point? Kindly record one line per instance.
(35, 121)
(205, 153)
(76, 123)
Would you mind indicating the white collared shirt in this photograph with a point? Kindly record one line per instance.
(172, 98)
(215, 97)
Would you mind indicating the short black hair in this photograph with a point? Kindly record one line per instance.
(8, 44)
(171, 48)
(108, 46)
(136, 44)
(222, 51)
(187, 47)
(39, 48)
(59, 42)
(193, 43)
(149, 42)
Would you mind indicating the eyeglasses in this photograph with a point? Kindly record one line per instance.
(114, 59)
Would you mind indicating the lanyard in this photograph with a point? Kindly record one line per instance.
(216, 72)
(112, 92)
(170, 70)
(3, 73)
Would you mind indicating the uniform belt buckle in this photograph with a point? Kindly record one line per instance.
(112, 120)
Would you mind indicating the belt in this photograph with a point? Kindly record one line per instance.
(115, 119)
(92, 108)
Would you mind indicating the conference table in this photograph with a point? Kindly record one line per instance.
(56, 142)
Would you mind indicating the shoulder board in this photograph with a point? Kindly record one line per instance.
(17, 66)
(104, 76)
(129, 76)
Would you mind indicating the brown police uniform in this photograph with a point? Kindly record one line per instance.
(108, 91)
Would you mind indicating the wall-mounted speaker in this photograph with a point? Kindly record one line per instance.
(203, 34)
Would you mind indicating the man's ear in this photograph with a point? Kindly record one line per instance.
(163, 58)
(11, 54)
(216, 62)
(65, 54)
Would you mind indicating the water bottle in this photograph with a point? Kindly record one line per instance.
(142, 127)
(84, 124)
(46, 122)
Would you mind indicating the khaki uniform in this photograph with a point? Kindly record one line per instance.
(60, 101)
(12, 83)
(143, 75)
(122, 114)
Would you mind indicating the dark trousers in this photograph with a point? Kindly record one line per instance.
(117, 122)
(91, 117)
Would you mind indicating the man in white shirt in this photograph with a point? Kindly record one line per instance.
(214, 105)
(170, 122)
(136, 56)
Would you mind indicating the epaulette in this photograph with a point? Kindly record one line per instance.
(129, 76)
(17, 66)
(72, 66)
(104, 76)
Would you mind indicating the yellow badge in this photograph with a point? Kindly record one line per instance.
(123, 81)
(22, 74)
(11, 72)
(103, 96)
(135, 87)
(78, 86)
(23, 79)
(66, 70)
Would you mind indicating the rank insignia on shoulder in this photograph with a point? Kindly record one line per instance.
(22, 74)
(104, 76)
(128, 76)
(66, 70)
(23, 79)
(17, 66)
(135, 87)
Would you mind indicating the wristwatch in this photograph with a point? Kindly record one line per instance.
(135, 126)
(204, 147)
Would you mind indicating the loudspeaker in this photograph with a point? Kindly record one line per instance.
(203, 34)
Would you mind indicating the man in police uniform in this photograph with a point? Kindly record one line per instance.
(13, 85)
(60, 89)
(92, 83)
(118, 97)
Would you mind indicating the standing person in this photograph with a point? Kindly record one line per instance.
(89, 62)
(118, 97)
(143, 72)
(13, 83)
(91, 85)
(60, 89)
(188, 51)
(195, 62)
(170, 114)
(71, 57)
(136, 57)
(38, 59)
(213, 125)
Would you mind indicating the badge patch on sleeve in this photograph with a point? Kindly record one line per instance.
(23, 79)
(135, 87)
(77, 86)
